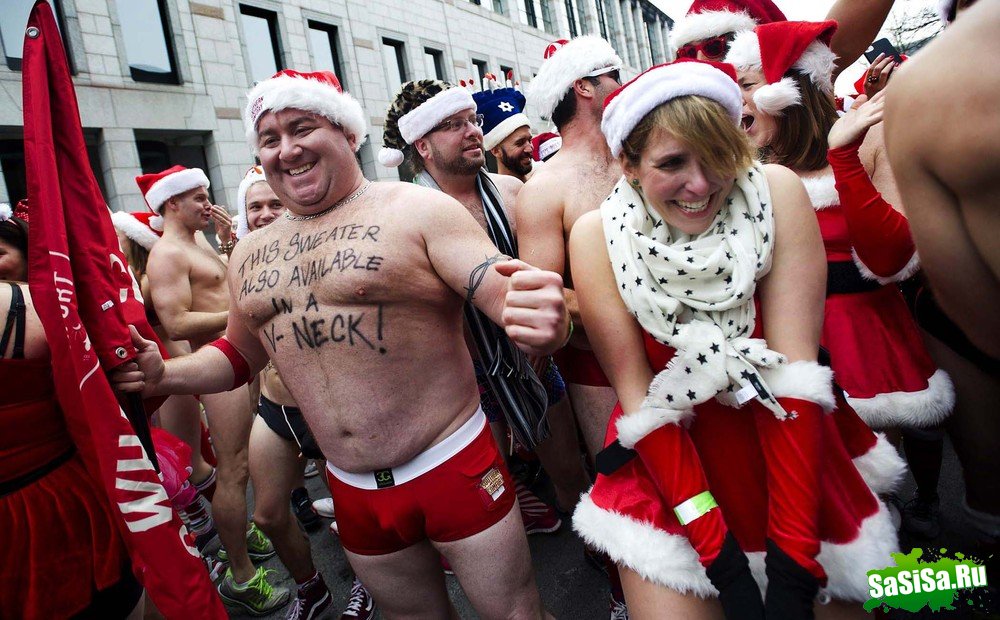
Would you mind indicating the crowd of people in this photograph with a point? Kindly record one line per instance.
(725, 312)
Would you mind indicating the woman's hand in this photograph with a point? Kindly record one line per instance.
(855, 124)
(877, 76)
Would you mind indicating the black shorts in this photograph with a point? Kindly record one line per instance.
(115, 602)
(289, 424)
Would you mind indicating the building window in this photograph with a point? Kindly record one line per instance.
(582, 10)
(394, 57)
(325, 49)
(158, 150)
(548, 19)
(529, 13)
(13, 19)
(571, 18)
(148, 46)
(498, 7)
(260, 38)
(605, 9)
(480, 69)
(654, 52)
(602, 23)
(434, 63)
(504, 72)
(476, 2)
(13, 167)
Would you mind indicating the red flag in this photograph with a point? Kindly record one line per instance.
(85, 297)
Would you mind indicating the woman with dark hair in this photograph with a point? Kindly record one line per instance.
(63, 553)
(703, 280)
(876, 350)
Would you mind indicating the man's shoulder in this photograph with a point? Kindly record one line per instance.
(168, 249)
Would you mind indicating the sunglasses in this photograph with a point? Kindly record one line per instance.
(713, 49)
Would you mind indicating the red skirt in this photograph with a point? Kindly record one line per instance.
(878, 357)
(624, 514)
(61, 544)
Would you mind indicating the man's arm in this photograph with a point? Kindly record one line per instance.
(172, 299)
(859, 22)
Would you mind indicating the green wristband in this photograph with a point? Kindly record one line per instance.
(694, 507)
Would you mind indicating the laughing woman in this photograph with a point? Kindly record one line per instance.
(703, 278)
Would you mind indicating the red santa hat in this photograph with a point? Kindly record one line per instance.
(159, 187)
(566, 62)
(627, 106)
(318, 92)
(254, 175)
(137, 227)
(712, 18)
(777, 48)
(545, 145)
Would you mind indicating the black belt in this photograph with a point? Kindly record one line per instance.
(844, 277)
(16, 484)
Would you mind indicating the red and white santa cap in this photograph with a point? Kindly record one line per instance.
(712, 18)
(565, 63)
(627, 106)
(254, 175)
(318, 92)
(137, 227)
(777, 48)
(545, 145)
(159, 187)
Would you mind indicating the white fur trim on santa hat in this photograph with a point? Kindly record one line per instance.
(920, 409)
(577, 59)
(910, 269)
(506, 127)
(774, 98)
(417, 122)
(698, 26)
(881, 467)
(134, 229)
(173, 184)
(817, 61)
(660, 84)
(664, 559)
(242, 224)
(549, 147)
(822, 191)
(285, 92)
(803, 380)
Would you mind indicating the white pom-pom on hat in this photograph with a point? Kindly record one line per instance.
(774, 98)
(390, 158)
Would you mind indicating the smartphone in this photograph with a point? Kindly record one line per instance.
(882, 46)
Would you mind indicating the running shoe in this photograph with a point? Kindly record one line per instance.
(361, 605)
(324, 507)
(310, 601)
(257, 597)
(303, 509)
(538, 517)
(922, 517)
(259, 547)
(311, 469)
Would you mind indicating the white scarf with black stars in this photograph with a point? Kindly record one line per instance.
(695, 293)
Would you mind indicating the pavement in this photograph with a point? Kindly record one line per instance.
(572, 589)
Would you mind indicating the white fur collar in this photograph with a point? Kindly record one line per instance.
(822, 191)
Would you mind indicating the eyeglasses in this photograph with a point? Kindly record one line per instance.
(458, 124)
(713, 49)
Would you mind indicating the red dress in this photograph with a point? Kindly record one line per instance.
(625, 516)
(61, 543)
(877, 352)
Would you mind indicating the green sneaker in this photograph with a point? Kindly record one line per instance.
(257, 597)
(259, 547)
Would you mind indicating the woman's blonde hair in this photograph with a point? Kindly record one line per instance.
(704, 125)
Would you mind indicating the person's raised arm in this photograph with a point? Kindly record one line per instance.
(859, 22)
(526, 301)
(172, 298)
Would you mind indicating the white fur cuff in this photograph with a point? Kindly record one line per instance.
(881, 467)
(417, 122)
(634, 426)
(803, 380)
(911, 267)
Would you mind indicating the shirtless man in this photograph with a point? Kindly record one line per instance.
(449, 157)
(357, 299)
(187, 281)
(569, 90)
(506, 129)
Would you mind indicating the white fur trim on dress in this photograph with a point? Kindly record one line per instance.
(822, 191)
(287, 92)
(919, 409)
(571, 62)
(910, 269)
(882, 468)
(134, 229)
(506, 127)
(242, 225)
(661, 84)
(661, 558)
(632, 427)
(417, 122)
(847, 564)
(698, 26)
(817, 61)
(173, 184)
(803, 380)
(774, 98)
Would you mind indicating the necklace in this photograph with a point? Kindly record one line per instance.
(302, 218)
